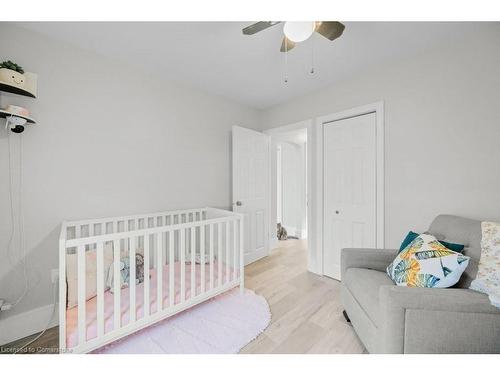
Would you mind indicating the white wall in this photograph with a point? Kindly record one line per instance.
(109, 141)
(442, 131)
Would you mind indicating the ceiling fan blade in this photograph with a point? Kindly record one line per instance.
(330, 29)
(259, 26)
(286, 45)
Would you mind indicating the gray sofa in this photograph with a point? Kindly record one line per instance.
(395, 319)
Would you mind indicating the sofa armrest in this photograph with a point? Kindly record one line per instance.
(436, 311)
(375, 259)
(436, 299)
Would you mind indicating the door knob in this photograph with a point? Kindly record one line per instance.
(337, 212)
(238, 203)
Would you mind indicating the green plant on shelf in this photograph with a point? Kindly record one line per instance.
(12, 66)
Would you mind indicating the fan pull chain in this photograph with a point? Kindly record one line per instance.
(286, 60)
(312, 54)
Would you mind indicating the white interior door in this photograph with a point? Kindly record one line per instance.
(251, 153)
(349, 195)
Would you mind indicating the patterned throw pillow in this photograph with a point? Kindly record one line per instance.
(449, 245)
(426, 263)
(488, 274)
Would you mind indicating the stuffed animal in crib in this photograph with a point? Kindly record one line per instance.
(139, 268)
(125, 272)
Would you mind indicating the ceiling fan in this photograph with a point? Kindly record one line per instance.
(296, 32)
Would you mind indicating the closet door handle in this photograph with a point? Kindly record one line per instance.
(238, 203)
(337, 212)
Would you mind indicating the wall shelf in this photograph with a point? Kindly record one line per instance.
(5, 87)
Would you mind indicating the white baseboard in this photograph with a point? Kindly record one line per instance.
(255, 256)
(273, 243)
(292, 231)
(27, 323)
(303, 234)
(334, 272)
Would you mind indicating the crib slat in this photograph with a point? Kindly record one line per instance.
(132, 278)
(116, 283)
(193, 261)
(126, 228)
(78, 231)
(228, 247)
(211, 249)
(146, 276)
(171, 270)
(100, 289)
(164, 251)
(202, 258)
(235, 248)
(152, 224)
(219, 254)
(159, 272)
(182, 251)
(82, 329)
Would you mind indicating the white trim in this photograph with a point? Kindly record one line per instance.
(286, 128)
(378, 108)
(267, 235)
(256, 255)
(27, 323)
(273, 243)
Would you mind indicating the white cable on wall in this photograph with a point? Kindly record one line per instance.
(11, 192)
(22, 247)
(22, 242)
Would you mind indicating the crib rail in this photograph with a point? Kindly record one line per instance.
(204, 244)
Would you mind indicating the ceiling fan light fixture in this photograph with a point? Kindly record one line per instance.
(299, 31)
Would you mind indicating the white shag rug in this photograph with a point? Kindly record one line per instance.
(221, 325)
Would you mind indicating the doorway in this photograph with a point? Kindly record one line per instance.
(289, 186)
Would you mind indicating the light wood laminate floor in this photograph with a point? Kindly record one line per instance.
(306, 309)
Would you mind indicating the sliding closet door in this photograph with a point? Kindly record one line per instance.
(349, 167)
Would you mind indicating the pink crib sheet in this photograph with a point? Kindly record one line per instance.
(91, 304)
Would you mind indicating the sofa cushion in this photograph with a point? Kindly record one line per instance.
(364, 285)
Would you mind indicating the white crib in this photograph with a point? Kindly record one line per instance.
(189, 257)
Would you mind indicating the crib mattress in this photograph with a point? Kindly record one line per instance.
(91, 304)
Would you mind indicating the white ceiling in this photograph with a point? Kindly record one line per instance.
(215, 57)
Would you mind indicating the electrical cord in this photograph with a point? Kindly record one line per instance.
(20, 219)
(48, 323)
(22, 243)
(11, 192)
